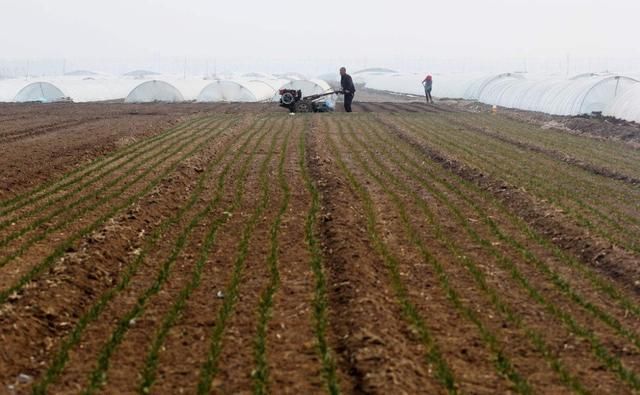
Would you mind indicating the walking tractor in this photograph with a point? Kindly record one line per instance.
(293, 100)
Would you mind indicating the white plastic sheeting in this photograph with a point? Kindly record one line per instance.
(292, 76)
(583, 95)
(154, 91)
(308, 87)
(95, 90)
(10, 88)
(614, 95)
(456, 86)
(627, 105)
(236, 91)
(54, 90)
(189, 88)
(399, 83)
(44, 92)
(274, 83)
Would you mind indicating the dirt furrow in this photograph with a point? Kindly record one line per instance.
(91, 217)
(382, 358)
(292, 362)
(606, 334)
(236, 368)
(612, 261)
(28, 216)
(553, 154)
(32, 162)
(95, 266)
(601, 205)
(496, 278)
(39, 199)
(91, 359)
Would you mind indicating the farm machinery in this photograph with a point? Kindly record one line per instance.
(295, 102)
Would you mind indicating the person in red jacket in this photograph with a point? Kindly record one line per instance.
(428, 85)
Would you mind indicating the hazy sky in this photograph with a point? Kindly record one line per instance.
(328, 30)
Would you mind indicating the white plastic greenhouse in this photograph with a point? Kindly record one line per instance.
(10, 88)
(308, 87)
(190, 88)
(77, 90)
(236, 91)
(41, 91)
(583, 95)
(95, 90)
(627, 105)
(274, 83)
(616, 95)
(154, 91)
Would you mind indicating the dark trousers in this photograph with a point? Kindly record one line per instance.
(347, 102)
(427, 93)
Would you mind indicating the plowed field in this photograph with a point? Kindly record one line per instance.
(400, 249)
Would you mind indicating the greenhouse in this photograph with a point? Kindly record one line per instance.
(43, 92)
(274, 83)
(10, 88)
(81, 91)
(190, 88)
(308, 87)
(154, 91)
(583, 95)
(236, 91)
(627, 105)
(65, 89)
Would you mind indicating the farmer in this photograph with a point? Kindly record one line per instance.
(428, 85)
(348, 89)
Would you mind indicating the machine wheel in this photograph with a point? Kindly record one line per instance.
(303, 106)
(288, 98)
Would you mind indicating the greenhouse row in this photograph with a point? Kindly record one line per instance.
(170, 90)
(604, 93)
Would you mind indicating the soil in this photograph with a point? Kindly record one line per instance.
(135, 245)
(596, 127)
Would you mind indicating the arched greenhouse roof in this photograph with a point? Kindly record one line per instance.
(308, 87)
(10, 88)
(190, 88)
(576, 96)
(626, 105)
(274, 83)
(236, 91)
(154, 91)
(476, 88)
(41, 91)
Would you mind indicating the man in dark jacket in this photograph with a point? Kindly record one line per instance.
(348, 89)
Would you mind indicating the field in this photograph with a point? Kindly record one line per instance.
(401, 249)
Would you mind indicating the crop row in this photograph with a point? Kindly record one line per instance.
(563, 316)
(209, 368)
(576, 192)
(99, 374)
(183, 151)
(93, 313)
(552, 276)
